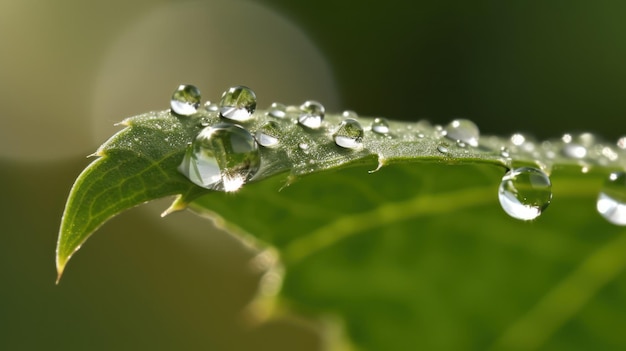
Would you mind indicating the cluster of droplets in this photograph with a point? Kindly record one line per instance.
(226, 155)
(223, 156)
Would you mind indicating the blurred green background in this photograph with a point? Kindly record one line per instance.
(70, 69)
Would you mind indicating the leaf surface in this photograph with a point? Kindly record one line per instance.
(402, 240)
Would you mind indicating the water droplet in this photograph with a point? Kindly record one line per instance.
(349, 135)
(525, 193)
(567, 138)
(574, 150)
(185, 100)
(504, 152)
(460, 144)
(238, 103)
(211, 107)
(268, 135)
(304, 147)
(380, 125)
(349, 114)
(463, 130)
(222, 157)
(277, 110)
(517, 139)
(578, 146)
(609, 153)
(443, 149)
(611, 202)
(621, 143)
(311, 114)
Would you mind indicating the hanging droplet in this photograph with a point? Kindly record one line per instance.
(185, 100)
(222, 157)
(380, 125)
(277, 110)
(268, 135)
(311, 114)
(349, 135)
(525, 193)
(238, 103)
(463, 130)
(611, 202)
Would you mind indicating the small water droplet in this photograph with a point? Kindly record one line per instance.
(311, 114)
(349, 135)
(380, 125)
(567, 138)
(525, 193)
(461, 144)
(443, 149)
(621, 143)
(211, 107)
(463, 130)
(277, 110)
(238, 103)
(185, 100)
(574, 150)
(349, 114)
(518, 139)
(504, 152)
(609, 153)
(268, 135)
(611, 202)
(304, 147)
(439, 131)
(222, 157)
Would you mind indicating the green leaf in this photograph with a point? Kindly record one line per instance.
(402, 240)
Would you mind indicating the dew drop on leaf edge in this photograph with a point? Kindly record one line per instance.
(185, 100)
(525, 193)
(238, 103)
(611, 202)
(349, 135)
(222, 157)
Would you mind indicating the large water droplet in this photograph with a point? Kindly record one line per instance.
(185, 100)
(238, 103)
(380, 125)
(463, 130)
(611, 202)
(221, 157)
(525, 193)
(268, 135)
(311, 114)
(277, 110)
(349, 135)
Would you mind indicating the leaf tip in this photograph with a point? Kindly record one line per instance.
(60, 263)
(178, 204)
